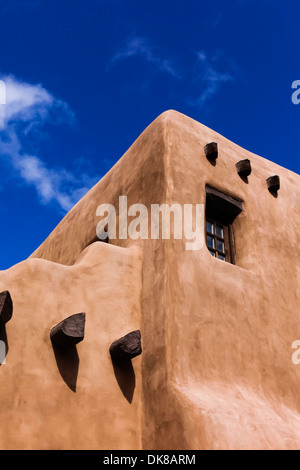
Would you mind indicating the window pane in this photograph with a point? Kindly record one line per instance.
(219, 231)
(209, 227)
(221, 257)
(220, 246)
(212, 253)
(210, 242)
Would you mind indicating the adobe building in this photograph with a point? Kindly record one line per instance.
(215, 370)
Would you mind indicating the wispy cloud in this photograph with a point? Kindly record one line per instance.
(28, 107)
(210, 71)
(211, 76)
(138, 46)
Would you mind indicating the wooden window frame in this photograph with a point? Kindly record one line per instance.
(227, 240)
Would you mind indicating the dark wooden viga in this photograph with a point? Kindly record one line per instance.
(6, 307)
(273, 183)
(243, 167)
(127, 347)
(211, 151)
(69, 332)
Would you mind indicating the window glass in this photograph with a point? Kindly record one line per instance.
(210, 241)
(220, 246)
(219, 231)
(209, 227)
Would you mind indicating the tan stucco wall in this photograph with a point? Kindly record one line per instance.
(229, 328)
(216, 369)
(39, 410)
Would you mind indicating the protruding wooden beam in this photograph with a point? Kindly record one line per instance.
(243, 167)
(127, 347)
(211, 151)
(273, 183)
(6, 307)
(69, 332)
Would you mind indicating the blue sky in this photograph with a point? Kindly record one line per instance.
(83, 80)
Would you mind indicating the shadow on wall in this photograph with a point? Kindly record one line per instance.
(64, 337)
(67, 361)
(125, 377)
(244, 178)
(122, 351)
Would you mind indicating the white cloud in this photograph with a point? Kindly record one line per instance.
(209, 76)
(27, 108)
(140, 46)
(24, 102)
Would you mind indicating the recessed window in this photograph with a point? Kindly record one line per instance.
(221, 211)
